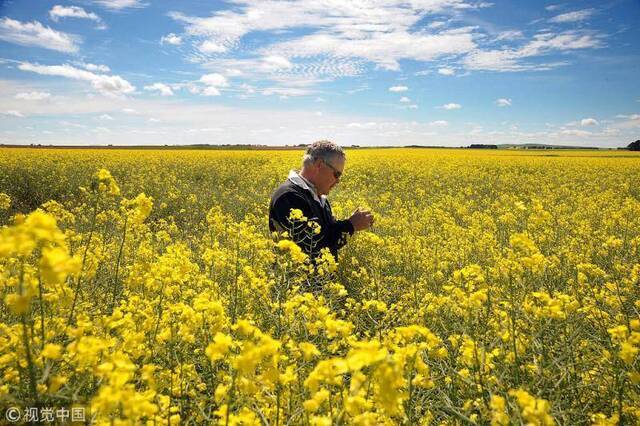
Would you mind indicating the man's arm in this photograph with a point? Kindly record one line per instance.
(338, 230)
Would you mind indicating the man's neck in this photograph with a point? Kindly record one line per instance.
(306, 177)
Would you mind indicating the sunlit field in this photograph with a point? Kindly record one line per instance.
(496, 287)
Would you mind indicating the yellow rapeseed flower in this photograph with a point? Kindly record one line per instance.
(220, 346)
(52, 351)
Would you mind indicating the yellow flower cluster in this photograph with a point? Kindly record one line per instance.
(533, 411)
(496, 288)
(5, 201)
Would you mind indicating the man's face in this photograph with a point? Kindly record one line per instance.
(329, 174)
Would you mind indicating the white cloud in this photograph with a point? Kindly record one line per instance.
(285, 92)
(70, 124)
(106, 117)
(568, 40)
(404, 99)
(233, 72)
(628, 122)
(370, 124)
(578, 133)
(110, 85)
(58, 12)
(353, 19)
(383, 33)
(171, 38)
(579, 15)
(129, 111)
(280, 70)
(160, 87)
(503, 102)
(362, 88)
(451, 106)
(494, 60)
(194, 89)
(589, 122)
(446, 71)
(398, 89)
(214, 79)
(207, 85)
(552, 7)
(120, 4)
(439, 123)
(477, 130)
(509, 35)
(93, 67)
(300, 123)
(541, 44)
(13, 113)
(276, 62)
(211, 91)
(35, 34)
(248, 89)
(209, 46)
(205, 129)
(383, 49)
(414, 106)
(261, 131)
(32, 96)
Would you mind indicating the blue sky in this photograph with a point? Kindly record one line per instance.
(274, 72)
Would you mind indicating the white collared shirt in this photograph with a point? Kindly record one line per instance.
(300, 181)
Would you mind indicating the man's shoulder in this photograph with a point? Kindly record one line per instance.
(286, 197)
(288, 190)
(286, 187)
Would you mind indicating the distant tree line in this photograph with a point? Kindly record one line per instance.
(482, 146)
(634, 146)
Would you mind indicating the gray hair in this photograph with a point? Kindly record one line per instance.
(323, 150)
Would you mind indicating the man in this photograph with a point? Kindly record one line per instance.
(307, 190)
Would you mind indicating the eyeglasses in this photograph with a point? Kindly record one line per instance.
(336, 173)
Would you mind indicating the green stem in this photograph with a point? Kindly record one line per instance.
(40, 291)
(231, 397)
(277, 404)
(234, 302)
(27, 347)
(76, 291)
(115, 279)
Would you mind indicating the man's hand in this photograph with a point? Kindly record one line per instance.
(361, 219)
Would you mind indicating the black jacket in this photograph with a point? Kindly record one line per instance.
(333, 232)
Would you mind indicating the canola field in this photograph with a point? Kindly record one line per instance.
(496, 287)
